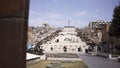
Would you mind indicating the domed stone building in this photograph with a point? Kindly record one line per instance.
(66, 42)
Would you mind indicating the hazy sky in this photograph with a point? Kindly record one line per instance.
(79, 12)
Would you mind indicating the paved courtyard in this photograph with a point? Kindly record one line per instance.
(98, 62)
(63, 56)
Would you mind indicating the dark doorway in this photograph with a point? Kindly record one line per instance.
(79, 49)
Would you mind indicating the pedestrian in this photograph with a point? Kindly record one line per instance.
(46, 57)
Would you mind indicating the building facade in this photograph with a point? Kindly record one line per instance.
(66, 42)
(99, 23)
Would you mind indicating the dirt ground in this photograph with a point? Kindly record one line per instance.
(66, 64)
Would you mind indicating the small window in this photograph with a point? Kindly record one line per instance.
(51, 48)
(65, 49)
(57, 40)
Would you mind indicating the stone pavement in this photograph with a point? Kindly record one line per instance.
(68, 59)
(98, 62)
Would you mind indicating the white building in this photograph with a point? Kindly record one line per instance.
(66, 42)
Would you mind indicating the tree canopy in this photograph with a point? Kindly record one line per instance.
(115, 24)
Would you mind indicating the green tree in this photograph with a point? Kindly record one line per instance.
(115, 24)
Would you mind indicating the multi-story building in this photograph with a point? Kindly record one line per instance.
(99, 23)
(101, 28)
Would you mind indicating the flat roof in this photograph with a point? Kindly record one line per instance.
(69, 26)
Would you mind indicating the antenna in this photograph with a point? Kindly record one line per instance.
(68, 22)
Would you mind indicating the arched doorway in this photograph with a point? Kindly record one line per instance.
(79, 49)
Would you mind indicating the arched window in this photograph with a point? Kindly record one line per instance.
(57, 40)
(51, 48)
(77, 40)
(67, 39)
(65, 49)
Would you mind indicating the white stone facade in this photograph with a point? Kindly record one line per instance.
(66, 42)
